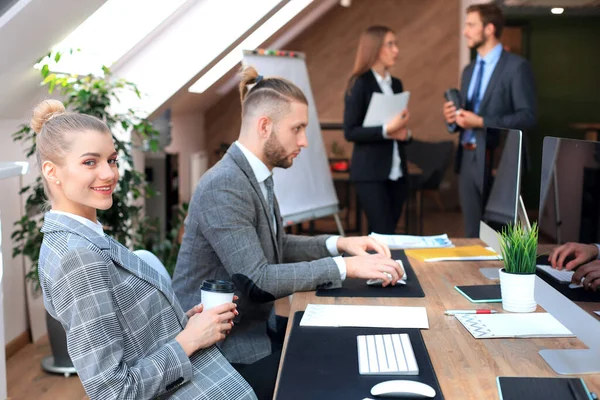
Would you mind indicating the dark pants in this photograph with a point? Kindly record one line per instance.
(382, 202)
(470, 192)
(262, 374)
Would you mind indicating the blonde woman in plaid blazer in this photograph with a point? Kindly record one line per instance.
(127, 335)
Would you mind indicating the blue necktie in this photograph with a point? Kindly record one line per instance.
(473, 103)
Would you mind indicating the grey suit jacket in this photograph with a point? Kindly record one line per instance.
(121, 318)
(229, 235)
(508, 102)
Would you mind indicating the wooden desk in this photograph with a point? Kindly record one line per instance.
(466, 367)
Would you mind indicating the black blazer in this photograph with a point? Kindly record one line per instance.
(509, 101)
(372, 155)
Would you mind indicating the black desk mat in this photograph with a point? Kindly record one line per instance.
(520, 388)
(322, 363)
(359, 287)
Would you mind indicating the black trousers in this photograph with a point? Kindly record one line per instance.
(262, 374)
(383, 202)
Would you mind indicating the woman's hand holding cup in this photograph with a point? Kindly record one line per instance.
(212, 320)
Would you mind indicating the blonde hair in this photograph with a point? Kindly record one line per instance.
(276, 93)
(369, 46)
(51, 122)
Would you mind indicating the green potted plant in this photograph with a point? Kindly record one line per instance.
(517, 278)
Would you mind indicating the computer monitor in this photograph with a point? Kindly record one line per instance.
(501, 199)
(569, 211)
(502, 202)
(570, 191)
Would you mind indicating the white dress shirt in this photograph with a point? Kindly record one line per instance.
(385, 84)
(261, 173)
(95, 226)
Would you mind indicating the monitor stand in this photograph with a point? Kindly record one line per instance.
(572, 361)
(580, 323)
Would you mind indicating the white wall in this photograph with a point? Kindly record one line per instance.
(187, 137)
(13, 283)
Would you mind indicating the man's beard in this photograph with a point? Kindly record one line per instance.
(275, 153)
(479, 43)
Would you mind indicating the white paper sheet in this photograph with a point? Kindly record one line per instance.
(383, 108)
(365, 316)
(483, 326)
(597, 312)
(396, 242)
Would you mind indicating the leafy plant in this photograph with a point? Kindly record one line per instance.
(519, 248)
(97, 96)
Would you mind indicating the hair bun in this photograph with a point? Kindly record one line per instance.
(44, 112)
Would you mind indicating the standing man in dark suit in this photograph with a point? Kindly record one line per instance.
(234, 231)
(497, 90)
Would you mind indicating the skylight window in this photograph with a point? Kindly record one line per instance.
(108, 34)
(253, 41)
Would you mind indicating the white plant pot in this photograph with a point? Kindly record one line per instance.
(517, 292)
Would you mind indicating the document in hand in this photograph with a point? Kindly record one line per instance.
(485, 326)
(365, 316)
(462, 253)
(383, 108)
(397, 242)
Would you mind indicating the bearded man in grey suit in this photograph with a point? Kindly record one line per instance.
(234, 232)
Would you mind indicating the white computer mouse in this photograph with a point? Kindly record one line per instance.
(379, 282)
(403, 389)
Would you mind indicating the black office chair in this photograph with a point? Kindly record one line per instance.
(433, 158)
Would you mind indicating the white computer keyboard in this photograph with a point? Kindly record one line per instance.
(386, 355)
(563, 276)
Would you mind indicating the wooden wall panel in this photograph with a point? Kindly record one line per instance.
(428, 36)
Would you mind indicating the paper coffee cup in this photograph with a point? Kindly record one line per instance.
(215, 292)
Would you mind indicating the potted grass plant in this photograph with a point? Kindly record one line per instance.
(517, 278)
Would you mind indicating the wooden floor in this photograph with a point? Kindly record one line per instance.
(27, 380)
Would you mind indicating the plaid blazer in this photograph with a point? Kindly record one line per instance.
(229, 234)
(121, 318)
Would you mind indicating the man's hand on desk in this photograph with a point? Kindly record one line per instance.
(374, 266)
(359, 246)
(590, 273)
(468, 119)
(582, 253)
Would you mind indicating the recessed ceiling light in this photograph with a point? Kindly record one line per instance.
(557, 10)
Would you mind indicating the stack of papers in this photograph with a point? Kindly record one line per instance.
(365, 316)
(464, 253)
(383, 108)
(528, 325)
(397, 242)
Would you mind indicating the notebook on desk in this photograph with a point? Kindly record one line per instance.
(462, 253)
(529, 325)
(519, 388)
(481, 293)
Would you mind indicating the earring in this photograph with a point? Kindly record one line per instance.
(57, 182)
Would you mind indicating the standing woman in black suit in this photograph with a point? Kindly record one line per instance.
(378, 167)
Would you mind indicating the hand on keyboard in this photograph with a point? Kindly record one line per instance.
(578, 253)
(588, 275)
